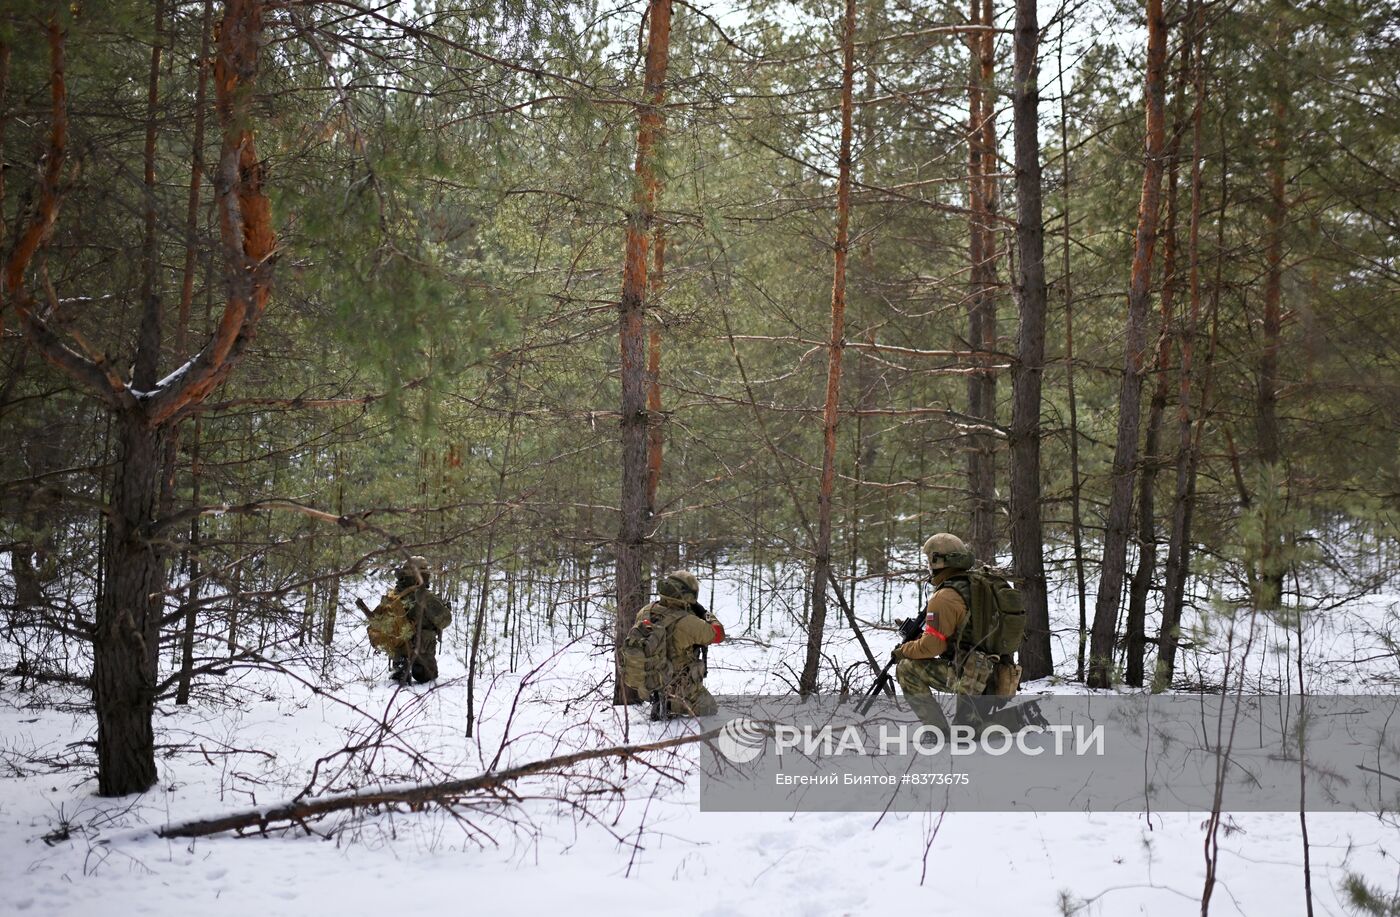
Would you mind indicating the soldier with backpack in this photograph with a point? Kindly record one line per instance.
(964, 642)
(663, 655)
(408, 622)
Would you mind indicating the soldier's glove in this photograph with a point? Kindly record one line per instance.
(897, 654)
(911, 628)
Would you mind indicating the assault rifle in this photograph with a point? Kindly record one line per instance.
(700, 611)
(906, 627)
(999, 710)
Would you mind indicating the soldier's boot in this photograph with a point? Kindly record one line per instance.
(1018, 716)
(660, 709)
(703, 703)
(425, 669)
(965, 713)
(929, 711)
(398, 670)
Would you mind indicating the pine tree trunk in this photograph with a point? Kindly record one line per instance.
(1076, 487)
(1188, 427)
(1272, 566)
(631, 536)
(821, 570)
(1141, 581)
(127, 632)
(656, 438)
(191, 610)
(132, 572)
(981, 385)
(1125, 453)
(1027, 539)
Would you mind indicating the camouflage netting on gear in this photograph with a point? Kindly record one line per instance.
(389, 629)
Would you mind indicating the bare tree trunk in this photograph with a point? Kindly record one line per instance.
(1189, 427)
(4, 122)
(1141, 581)
(182, 689)
(1303, 767)
(127, 631)
(484, 595)
(129, 610)
(1125, 454)
(1076, 520)
(328, 622)
(866, 445)
(821, 571)
(1272, 565)
(143, 374)
(656, 437)
(981, 385)
(631, 537)
(1027, 540)
(182, 326)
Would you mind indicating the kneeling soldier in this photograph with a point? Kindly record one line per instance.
(930, 659)
(689, 628)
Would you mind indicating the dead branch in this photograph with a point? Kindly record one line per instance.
(444, 793)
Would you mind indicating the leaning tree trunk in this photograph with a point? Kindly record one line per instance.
(821, 571)
(631, 535)
(1027, 540)
(1125, 453)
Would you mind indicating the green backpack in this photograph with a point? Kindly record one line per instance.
(996, 618)
(646, 658)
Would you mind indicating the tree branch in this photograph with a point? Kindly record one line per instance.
(444, 793)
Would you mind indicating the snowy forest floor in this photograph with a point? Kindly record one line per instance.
(572, 844)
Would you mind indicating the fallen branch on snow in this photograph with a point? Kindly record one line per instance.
(299, 812)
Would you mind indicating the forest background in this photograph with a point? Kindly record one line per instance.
(563, 296)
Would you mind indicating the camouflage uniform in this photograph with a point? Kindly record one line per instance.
(686, 694)
(933, 662)
(429, 616)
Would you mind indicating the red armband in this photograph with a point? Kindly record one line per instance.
(719, 632)
(930, 629)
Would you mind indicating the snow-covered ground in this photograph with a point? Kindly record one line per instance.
(575, 845)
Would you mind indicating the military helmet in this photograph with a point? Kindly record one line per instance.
(678, 583)
(414, 568)
(944, 550)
